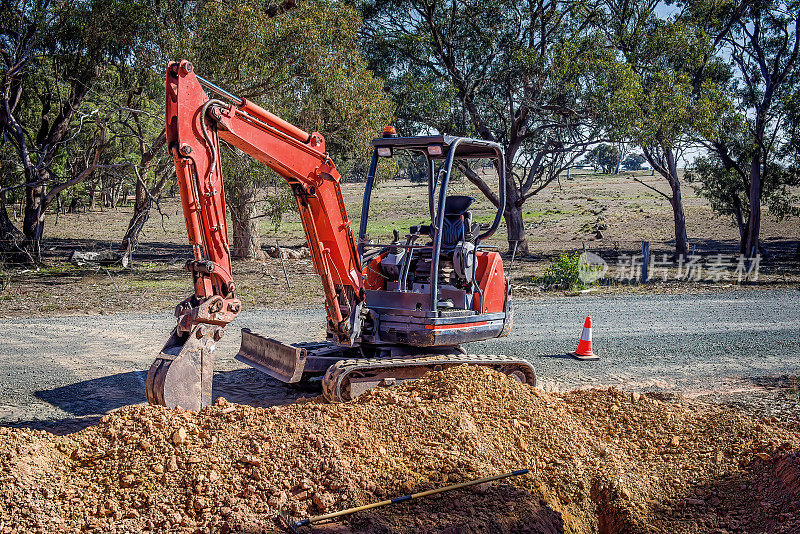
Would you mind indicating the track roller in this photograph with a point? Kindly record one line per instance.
(347, 379)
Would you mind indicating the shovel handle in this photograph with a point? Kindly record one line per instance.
(317, 519)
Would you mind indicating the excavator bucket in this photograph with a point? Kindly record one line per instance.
(183, 373)
(270, 356)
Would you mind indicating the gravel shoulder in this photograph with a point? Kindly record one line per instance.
(735, 347)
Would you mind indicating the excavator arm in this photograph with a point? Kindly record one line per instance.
(182, 374)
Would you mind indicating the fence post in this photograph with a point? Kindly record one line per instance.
(280, 255)
(645, 261)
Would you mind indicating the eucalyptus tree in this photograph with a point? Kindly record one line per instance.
(139, 93)
(604, 157)
(299, 60)
(668, 93)
(52, 52)
(518, 73)
(751, 156)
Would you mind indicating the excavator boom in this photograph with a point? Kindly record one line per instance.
(195, 124)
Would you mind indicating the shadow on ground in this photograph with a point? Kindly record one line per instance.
(502, 508)
(563, 356)
(97, 396)
(249, 386)
(760, 497)
(87, 401)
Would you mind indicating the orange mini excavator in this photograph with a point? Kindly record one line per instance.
(396, 310)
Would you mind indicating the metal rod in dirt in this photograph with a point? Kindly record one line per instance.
(317, 519)
(513, 255)
(280, 255)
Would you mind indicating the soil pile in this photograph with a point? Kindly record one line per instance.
(600, 460)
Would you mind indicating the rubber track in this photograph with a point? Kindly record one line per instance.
(336, 374)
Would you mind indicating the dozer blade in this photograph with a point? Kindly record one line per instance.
(270, 356)
(183, 374)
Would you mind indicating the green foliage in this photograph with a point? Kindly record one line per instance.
(633, 162)
(665, 94)
(789, 151)
(64, 49)
(84, 79)
(603, 157)
(519, 73)
(756, 153)
(252, 190)
(56, 124)
(565, 273)
(456, 66)
(282, 201)
(728, 193)
(89, 82)
(128, 103)
(303, 65)
(669, 89)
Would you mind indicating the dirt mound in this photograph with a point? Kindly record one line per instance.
(600, 460)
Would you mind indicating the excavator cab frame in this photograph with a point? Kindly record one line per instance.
(404, 320)
(437, 313)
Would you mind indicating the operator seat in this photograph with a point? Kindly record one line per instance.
(457, 222)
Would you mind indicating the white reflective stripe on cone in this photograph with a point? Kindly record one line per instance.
(587, 334)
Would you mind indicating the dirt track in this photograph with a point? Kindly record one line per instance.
(60, 373)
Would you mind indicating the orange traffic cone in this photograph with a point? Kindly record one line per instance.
(584, 350)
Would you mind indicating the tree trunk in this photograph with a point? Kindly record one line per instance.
(738, 217)
(750, 241)
(622, 151)
(141, 210)
(515, 224)
(246, 238)
(58, 209)
(667, 166)
(12, 242)
(144, 198)
(141, 213)
(92, 194)
(33, 219)
(681, 241)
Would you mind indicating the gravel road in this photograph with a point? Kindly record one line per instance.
(737, 347)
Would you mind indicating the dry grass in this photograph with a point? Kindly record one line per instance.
(563, 217)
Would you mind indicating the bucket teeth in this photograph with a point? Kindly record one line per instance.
(183, 374)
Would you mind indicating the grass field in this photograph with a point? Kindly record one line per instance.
(566, 216)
